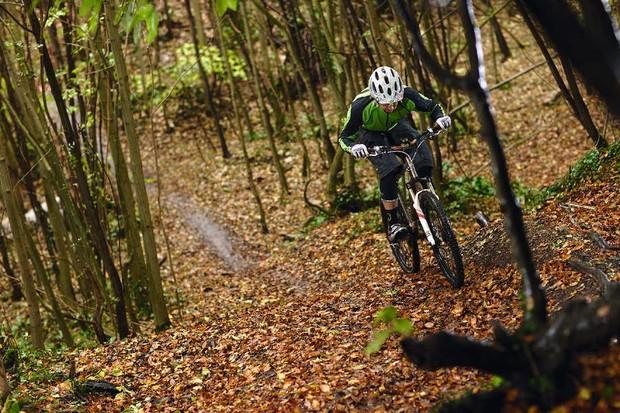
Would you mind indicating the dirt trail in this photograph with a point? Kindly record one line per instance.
(208, 230)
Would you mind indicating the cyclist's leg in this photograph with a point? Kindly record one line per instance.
(384, 164)
(389, 199)
(389, 195)
(387, 167)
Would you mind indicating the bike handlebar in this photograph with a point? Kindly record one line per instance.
(429, 133)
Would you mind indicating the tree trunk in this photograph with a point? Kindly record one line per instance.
(572, 96)
(90, 209)
(240, 133)
(51, 171)
(260, 101)
(535, 302)
(138, 281)
(213, 110)
(19, 235)
(583, 114)
(60, 239)
(5, 387)
(17, 293)
(383, 54)
(158, 302)
(497, 29)
(539, 359)
(588, 40)
(311, 88)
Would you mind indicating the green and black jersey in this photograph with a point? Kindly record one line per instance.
(365, 113)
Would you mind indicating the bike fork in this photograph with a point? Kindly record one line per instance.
(422, 219)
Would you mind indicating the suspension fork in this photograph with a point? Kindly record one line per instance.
(421, 217)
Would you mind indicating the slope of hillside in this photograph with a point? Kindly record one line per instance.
(282, 325)
(288, 331)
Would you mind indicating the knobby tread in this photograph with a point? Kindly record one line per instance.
(433, 210)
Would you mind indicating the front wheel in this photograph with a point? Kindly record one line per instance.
(446, 248)
(405, 249)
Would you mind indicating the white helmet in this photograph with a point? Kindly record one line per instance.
(385, 85)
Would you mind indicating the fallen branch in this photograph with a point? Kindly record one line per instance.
(94, 386)
(579, 206)
(527, 360)
(586, 268)
(600, 241)
(313, 207)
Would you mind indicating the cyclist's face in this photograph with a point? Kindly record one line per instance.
(388, 107)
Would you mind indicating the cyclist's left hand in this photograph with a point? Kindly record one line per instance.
(444, 122)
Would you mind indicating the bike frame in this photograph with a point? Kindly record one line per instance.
(410, 183)
(410, 169)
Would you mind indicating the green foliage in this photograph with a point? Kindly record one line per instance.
(318, 220)
(185, 74)
(54, 14)
(395, 325)
(586, 169)
(132, 16)
(466, 195)
(91, 7)
(212, 61)
(10, 406)
(221, 6)
(497, 382)
(351, 200)
(10, 353)
(527, 196)
(143, 12)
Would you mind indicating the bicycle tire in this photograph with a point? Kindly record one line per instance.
(405, 249)
(446, 248)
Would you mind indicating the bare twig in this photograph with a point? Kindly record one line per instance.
(578, 206)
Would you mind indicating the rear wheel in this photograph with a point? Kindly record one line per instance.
(405, 248)
(446, 248)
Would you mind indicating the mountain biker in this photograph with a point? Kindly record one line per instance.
(381, 115)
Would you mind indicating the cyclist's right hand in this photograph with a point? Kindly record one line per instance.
(359, 151)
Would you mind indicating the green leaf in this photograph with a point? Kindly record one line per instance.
(378, 340)
(10, 406)
(386, 315)
(497, 381)
(88, 5)
(223, 5)
(403, 326)
(152, 24)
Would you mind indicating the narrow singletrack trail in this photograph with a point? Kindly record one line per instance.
(287, 330)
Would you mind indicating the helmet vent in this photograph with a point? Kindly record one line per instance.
(385, 85)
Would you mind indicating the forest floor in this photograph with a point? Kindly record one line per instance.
(283, 327)
(279, 321)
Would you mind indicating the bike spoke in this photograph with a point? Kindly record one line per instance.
(446, 249)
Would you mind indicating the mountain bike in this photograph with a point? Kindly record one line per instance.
(421, 212)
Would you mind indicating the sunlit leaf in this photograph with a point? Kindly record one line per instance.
(223, 5)
(403, 326)
(386, 315)
(378, 340)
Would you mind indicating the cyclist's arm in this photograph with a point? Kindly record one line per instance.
(424, 105)
(352, 125)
